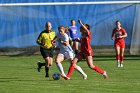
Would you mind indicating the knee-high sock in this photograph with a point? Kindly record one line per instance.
(42, 64)
(121, 58)
(60, 67)
(80, 70)
(97, 69)
(46, 69)
(71, 69)
(117, 57)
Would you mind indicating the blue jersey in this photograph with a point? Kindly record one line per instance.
(73, 32)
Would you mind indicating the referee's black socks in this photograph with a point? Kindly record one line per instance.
(47, 71)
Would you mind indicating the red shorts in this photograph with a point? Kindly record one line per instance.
(85, 54)
(118, 44)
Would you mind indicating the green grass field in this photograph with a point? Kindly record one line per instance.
(18, 74)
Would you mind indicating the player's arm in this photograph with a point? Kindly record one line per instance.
(66, 43)
(80, 22)
(124, 34)
(54, 41)
(39, 40)
(112, 36)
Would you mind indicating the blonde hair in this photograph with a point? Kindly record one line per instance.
(61, 27)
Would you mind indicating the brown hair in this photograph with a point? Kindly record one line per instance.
(72, 20)
(87, 26)
(117, 22)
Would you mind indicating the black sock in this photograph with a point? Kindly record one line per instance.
(42, 64)
(47, 71)
(76, 51)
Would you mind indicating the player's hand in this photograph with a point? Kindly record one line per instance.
(80, 21)
(113, 38)
(62, 41)
(54, 43)
(120, 37)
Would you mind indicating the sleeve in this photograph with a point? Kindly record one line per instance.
(66, 37)
(39, 39)
(113, 32)
(123, 31)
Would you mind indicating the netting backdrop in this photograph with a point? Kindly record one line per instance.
(21, 25)
(135, 42)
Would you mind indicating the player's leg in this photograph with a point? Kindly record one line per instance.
(59, 59)
(47, 60)
(96, 68)
(39, 65)
(117, 49)
(78, 68)
(45, 54)
(73, 65)
(76, 47)
(122, 57)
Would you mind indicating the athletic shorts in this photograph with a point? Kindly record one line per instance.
(84, 54)
(66, 54)
(75, 39)
(46, 52)
(119, 44)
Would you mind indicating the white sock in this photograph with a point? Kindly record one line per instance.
(79, 69)
(60, 67)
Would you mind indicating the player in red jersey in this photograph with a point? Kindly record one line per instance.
(85, 51)
(118, 35)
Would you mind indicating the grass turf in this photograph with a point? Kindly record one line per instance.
(18, 74)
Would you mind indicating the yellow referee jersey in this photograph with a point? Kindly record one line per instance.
(45, 39)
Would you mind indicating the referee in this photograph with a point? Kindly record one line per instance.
(46, 42)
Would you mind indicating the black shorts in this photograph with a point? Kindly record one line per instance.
(75, 39)
(46, 52)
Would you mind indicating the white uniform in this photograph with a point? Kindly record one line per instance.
(66, 51)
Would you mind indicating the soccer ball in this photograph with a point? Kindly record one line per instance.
(56, 76)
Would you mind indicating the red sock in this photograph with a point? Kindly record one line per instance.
(122, 58)
(71, 69)
(117, 57)
(97, 69)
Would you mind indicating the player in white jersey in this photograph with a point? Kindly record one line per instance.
(65, 52)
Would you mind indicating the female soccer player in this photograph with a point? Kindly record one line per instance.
(74, 35)
(46, 47)
(85, 52)
(119, 34)
(65, 52)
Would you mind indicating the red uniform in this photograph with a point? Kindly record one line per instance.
(119, 41)
(86, 49)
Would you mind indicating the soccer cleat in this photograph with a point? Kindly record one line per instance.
(39, 66)
(65, 77)
(121, 65)
(85, 76)
(118, 65)
(47, 75)
(105, 75)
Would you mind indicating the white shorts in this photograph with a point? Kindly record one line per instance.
(67, 54)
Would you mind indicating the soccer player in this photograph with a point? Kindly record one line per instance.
(65, 52)
(46, 47)
(118, 35)
(85, 52)
(74, 35)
